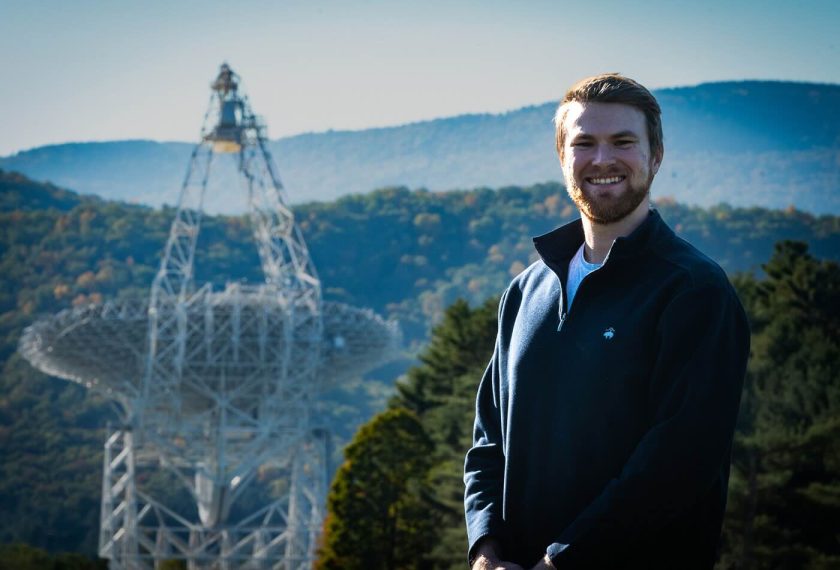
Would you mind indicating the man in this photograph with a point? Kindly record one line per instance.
(604, 420)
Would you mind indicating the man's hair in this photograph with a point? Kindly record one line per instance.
(613, 88)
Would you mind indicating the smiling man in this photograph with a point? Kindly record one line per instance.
(604, 421)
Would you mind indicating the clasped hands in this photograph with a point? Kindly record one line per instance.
(484, 563)
(487, 559)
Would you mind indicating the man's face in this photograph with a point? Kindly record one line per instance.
(606, 159)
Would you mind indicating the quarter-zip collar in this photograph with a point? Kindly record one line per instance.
(558, 246)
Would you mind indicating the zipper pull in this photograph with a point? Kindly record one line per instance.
(562, 320)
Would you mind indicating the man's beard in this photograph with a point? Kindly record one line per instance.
(608, 210)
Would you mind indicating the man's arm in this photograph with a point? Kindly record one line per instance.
(484, 466)
(694, 394)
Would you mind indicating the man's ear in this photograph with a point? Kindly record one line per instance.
(656, 162)
(558, 148)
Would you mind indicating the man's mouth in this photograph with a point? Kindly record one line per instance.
(604, 180)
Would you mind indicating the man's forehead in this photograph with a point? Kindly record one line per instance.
(603, 118)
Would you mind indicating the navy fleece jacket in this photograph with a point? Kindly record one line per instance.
(603, 434)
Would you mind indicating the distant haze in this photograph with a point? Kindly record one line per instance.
(772, 144)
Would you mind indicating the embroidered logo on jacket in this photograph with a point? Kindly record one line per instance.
(609, 333)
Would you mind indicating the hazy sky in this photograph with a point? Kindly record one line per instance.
(82, 70)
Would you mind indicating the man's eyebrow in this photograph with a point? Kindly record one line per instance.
(618, 135)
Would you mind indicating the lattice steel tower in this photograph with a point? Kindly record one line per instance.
(215, 385)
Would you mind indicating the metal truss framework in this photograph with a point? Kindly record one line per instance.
(279, 535)
(226, 381)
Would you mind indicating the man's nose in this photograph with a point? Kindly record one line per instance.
(603, 155)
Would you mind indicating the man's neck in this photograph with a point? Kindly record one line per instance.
(598, 238)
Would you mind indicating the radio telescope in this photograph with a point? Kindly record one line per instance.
(213, 386)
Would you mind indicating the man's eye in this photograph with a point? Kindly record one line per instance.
(624, 142)
(583, 144)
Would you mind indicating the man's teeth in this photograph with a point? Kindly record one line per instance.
(610, 180)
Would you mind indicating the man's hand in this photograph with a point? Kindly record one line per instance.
(486, 557)
(487, 563)
(544, 564)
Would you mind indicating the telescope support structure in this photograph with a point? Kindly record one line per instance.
(138, 532)
(217, 399)
(218, 461)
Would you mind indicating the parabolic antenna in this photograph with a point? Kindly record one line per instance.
(95, 345)
(215, 385)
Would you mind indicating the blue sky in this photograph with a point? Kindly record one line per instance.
(82, 70)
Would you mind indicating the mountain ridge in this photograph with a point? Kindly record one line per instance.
(766, 143)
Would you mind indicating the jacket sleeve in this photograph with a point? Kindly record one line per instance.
(694, 395)
(485, 462)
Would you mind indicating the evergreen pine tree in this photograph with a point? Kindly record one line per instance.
(784, 509)
(442, 391)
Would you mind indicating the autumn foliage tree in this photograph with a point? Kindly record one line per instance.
(376, 517)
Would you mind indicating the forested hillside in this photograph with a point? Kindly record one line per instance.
(407, 254)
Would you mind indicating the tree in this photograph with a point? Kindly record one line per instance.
(376, 516)
(442, 391)
(784, 509)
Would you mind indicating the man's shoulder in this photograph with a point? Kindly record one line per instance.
(535, 276)
(695, 266)
(536, 279)
(537, 271)
(701, 285)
